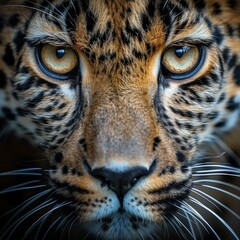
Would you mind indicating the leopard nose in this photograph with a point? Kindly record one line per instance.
(120, 182)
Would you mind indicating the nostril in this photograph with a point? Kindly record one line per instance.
(134, 181)
(106, 181)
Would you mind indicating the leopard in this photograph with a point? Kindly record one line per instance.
(120, 95)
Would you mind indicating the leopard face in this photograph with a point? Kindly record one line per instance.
(120, 95)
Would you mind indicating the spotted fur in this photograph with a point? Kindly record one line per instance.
(119, 111)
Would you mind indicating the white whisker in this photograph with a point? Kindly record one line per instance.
(173, 226)
(178, 227)
(213, 165)
(219, 171)
(199, 217)
(181, 224)
(67, 224)
(222, 190)
(26, 171)
(40, 227)
(215, 174)
(44, 215)
(208, 197)
(224, 146)
(216, 215)
(213, 156)
(12, 228)
(186, 209)
(217, 182)
(50, 227)
(22, 186)
(24, 205)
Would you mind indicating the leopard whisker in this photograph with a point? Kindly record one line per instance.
(24, 172)
(47, 214)
(71, 226)
(40, 228)
(195, 219)
(83, 215)
(190, 221)
(153, 232)
(98, 234)
(196, 223)
(165, 228)
(178, 227)
(56, 191)
(87, 235)
(22, 186)
(23, 206)
(214, 174)
(67, 224)
(12, 228)
(208, 197)
(50, 227)
(217, 171)
(224, 146)
(194, 200)
(209, 157)
(193, 212)
(140, 234)
(214, 166)
(184, 226)
(61, 224)
(171, 222)
(218, 182)
(221, 190)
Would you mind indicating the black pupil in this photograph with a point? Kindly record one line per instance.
(60, 52)
(179, 51)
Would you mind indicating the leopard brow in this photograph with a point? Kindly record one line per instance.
(50, 39)
(190, 41)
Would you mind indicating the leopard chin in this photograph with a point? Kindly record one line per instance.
(122, 226)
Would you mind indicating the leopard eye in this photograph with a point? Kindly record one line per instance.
(57, 62)
(182, 62)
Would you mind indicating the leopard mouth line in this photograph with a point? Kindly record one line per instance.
(169, 207)
(167, 204)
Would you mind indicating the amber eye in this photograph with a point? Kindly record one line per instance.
(57, 62)
(182, 62)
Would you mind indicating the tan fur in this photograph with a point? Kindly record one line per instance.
(125, 106)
